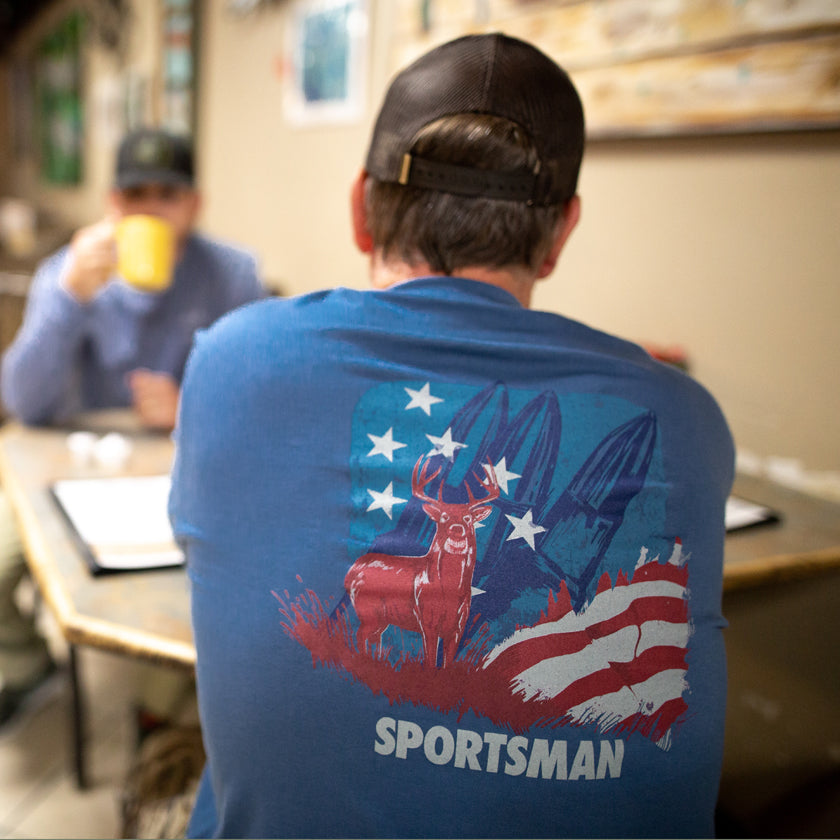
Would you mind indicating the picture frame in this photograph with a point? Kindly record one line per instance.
(179, 65)
(326, 62)
(60, 106)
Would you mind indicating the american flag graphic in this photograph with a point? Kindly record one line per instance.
(618, 664)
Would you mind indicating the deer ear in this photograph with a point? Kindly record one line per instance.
(482, 513)
(432, 510)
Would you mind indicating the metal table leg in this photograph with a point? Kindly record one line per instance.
(78, 721)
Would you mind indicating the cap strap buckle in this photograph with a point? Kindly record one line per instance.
(466, 180)
(405, 169)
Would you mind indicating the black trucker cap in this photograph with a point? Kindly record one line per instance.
(153, 156)
(483, 74)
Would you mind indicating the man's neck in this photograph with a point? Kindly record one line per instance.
(518, 281)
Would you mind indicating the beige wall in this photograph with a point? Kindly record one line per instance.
(281, 188)
(728, 246)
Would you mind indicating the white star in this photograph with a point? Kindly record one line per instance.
(474, 590)
(524, 528)
(422, 399)
(385, 445)
(385, 500)
(503, 476)
(445, 445)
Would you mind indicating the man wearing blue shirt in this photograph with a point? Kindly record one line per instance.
(90, 341)
(455, 563)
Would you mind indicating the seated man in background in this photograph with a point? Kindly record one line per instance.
(455, 564)
(90, 341)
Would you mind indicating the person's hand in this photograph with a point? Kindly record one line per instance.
(93, 257)
(155, 398)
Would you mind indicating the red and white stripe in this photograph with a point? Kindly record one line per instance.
(619, 662)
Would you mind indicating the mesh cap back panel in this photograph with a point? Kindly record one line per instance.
(484, 74)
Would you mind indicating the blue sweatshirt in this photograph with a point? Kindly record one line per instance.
(69, 356)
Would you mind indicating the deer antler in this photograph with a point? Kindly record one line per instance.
(491, 484)
(418, 483)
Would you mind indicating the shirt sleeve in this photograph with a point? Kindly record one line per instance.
(38, 369)
(248, 286)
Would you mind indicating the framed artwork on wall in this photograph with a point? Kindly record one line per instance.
(325, 69)
(665, 67)
(179, 83)
(59, 112)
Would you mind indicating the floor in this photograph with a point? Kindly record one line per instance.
(39, 796)
(38, 793)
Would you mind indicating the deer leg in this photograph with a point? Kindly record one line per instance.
(430, 647)
(370, 639)
(450, 649)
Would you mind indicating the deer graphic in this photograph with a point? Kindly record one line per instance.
(429, 594)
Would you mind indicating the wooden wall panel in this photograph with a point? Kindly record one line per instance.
(648, 67)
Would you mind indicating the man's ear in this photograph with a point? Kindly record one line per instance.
(361, 234)
(571, 216)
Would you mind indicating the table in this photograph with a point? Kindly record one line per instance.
(143, 614)
(146, 614)
(804, 543)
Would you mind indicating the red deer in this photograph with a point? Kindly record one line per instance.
(430, 594)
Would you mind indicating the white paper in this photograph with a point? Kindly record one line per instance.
(122, 520)
(741, 513)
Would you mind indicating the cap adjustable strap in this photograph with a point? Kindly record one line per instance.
(464, 180)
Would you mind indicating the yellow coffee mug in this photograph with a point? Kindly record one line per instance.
(145, 252)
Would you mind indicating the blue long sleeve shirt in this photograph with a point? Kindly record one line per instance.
(365, 481)
(70, 356)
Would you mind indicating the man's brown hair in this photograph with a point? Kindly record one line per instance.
(450, 232)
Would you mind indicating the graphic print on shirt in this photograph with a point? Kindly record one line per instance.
(509, 538)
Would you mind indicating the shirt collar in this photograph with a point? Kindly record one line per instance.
(455, 289)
